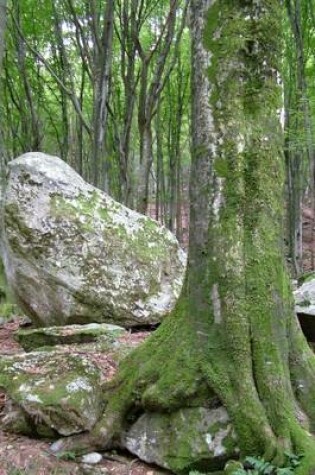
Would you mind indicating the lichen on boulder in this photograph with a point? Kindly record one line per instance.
(50, 393)
(74, 255)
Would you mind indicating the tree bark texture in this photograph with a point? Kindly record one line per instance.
(101, 92)
(3, 10)
(233, 332)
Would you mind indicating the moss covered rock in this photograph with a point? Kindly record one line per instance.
(50, 393)
(189, 439)
(32, 339)
(74, 255)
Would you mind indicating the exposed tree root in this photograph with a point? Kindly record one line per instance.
(172, 369)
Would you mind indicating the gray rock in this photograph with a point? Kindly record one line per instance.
(50, 393)
(74, 255)
(304, 298)
(32, 339)
(189, 439)
(92, 458)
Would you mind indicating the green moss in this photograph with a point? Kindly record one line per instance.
(40, 338)
(307, 277)
(221, 167)
(8, 309)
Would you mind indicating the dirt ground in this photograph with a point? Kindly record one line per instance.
(23, 455)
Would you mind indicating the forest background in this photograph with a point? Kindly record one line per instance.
(106, 86)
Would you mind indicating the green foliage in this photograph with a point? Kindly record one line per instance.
(8, 309)
(259, 466)
(49, 82)
(66, 455)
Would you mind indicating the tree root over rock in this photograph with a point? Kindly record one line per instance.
(184, 364)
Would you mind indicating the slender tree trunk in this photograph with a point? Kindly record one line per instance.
(3, 15)
(129, 25)
(159, 164)
(101, 93)
(3, 12)
(146, 160)
(65, 72)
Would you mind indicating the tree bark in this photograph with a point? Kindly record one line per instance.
(101, 93)
(3, 13)
(233, 332)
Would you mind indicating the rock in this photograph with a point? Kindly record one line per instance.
(88, 470)
(305, 306)
(189, 439)
(74, 255)
(50, 393)
(92, 458)
(304, 298)
(32, 339)
(233, 466)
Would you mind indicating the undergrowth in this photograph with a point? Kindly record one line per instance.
(259, 466)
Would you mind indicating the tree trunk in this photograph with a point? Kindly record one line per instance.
(233, 331)
(101, 93)
(3, 12)
(146, 159)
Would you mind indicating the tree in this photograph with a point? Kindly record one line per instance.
(233, 331)
(3, 7)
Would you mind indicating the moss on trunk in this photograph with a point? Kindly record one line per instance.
(233, 333)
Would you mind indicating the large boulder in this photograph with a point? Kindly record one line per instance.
(74, 255)
(197, 438)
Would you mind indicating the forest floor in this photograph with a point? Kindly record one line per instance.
(23, 455)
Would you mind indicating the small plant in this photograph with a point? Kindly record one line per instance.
(259, 466)
(67, 456)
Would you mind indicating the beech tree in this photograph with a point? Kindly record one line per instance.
(233, 332)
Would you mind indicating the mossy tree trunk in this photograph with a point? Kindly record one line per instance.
(233, 332)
